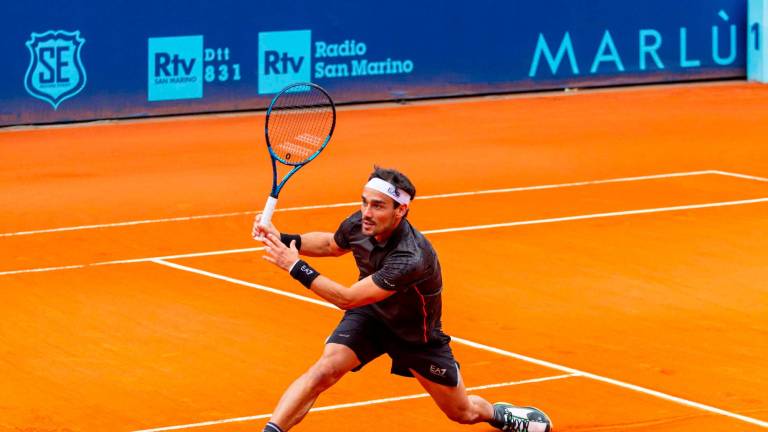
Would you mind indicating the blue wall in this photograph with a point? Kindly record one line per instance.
(89, 59)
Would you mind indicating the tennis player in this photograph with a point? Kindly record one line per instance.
(393, 308)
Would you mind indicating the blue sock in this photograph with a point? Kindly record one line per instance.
(271, 427)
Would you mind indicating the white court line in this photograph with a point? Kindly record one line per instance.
(617, 383)
(121, 224)
(544, 363)
(601, 215)
(356, 404)
(47, 269)
(351, 204)
(133, 260)
(434, 231)
(573, 184)
(491, 349)
(244, 283)
(744, 176)
(187, 255)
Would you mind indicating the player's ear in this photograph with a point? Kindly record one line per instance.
(401, 210)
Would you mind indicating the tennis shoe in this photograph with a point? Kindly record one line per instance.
(508, 417)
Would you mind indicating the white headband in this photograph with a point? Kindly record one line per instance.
(389, 190)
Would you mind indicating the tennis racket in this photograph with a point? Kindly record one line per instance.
(300, 121)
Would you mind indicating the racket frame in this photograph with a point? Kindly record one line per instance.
(269, 208)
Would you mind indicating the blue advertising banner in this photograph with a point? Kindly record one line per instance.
(86, 59)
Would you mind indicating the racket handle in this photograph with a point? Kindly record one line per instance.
(266, 216)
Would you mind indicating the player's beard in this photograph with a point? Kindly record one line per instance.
(372, 228)
(369, 227)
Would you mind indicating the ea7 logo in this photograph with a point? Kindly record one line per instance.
(307, 269)
(56, 71)
(434, 370)
(284, 58)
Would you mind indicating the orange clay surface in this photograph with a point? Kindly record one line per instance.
(671, 300)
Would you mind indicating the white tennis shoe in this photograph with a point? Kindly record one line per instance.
(508, 417)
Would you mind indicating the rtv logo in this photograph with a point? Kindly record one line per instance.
(284, 58)
(175, 68)
(167, 65)
(276, 62)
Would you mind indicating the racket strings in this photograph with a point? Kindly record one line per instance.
(299, 124)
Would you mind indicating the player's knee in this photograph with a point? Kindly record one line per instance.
(325, 373)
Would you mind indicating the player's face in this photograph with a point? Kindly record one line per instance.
(380, 217)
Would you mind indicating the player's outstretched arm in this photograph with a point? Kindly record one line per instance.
(320, 244)
(363, 292)
(314, 244)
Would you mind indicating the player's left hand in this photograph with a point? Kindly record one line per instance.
(259, 230)
(278, 253)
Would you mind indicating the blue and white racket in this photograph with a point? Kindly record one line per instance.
(300, 121)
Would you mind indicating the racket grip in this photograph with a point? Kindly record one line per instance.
(266, 217)
(269, 208)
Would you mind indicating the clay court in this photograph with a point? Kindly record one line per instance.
(604, 257)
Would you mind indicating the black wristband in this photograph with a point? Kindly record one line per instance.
(286, 239)
(304, 273)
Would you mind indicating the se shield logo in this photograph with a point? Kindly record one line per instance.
(56, 71)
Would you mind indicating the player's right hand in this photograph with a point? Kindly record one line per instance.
(260, 231)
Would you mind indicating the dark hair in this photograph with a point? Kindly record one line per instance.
(396, 178)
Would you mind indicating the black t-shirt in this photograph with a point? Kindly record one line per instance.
(405, 263)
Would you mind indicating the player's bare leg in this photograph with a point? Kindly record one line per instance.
(455, 402)
(470, 409)
(336, 361)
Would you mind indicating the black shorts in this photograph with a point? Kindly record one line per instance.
(369, 339)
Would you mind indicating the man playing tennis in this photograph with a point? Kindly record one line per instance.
(394, 308)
